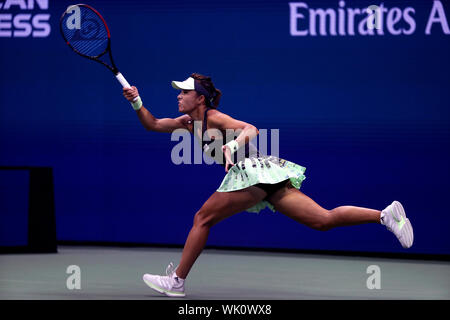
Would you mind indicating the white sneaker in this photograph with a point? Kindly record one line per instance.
(170, 285)
(394, 218)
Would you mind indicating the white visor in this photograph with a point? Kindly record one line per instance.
(188, 84)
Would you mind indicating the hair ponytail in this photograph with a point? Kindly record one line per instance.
(216, 99)
(214, 94)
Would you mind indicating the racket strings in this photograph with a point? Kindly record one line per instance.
(91, 38)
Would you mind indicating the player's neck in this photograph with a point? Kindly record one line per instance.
(198, 113)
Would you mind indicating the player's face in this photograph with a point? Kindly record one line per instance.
(188, 100)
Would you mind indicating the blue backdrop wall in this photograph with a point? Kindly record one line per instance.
(366, 114)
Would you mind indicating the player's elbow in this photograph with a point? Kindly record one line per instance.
(250, 132)
(152, 124)
(149, 126)
(253, 129)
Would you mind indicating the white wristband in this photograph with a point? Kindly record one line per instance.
(137, 104)
(233, 145)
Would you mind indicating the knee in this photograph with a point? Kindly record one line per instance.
(325, 222)
(204, 218)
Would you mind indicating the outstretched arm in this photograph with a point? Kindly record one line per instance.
(149, 121)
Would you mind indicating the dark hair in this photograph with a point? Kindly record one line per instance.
(214, 94)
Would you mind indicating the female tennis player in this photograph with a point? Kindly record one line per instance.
(252, 182)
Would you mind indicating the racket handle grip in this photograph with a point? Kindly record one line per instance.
(124, 82)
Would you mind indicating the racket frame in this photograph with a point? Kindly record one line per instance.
(96, 58)
(111, 67)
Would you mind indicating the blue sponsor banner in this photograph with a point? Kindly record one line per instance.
(359, 97)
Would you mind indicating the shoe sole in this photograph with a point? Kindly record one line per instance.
(407, 226)
(161, 290)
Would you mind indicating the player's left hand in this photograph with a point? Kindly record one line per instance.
(227, 152)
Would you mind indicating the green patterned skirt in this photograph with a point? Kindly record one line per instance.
(265, 169)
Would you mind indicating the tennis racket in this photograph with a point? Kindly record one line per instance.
(85, 32)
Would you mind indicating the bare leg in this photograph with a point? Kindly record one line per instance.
(218, 207)
(350, 215)
(296, 205)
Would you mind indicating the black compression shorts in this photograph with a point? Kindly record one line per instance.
(270, 189)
